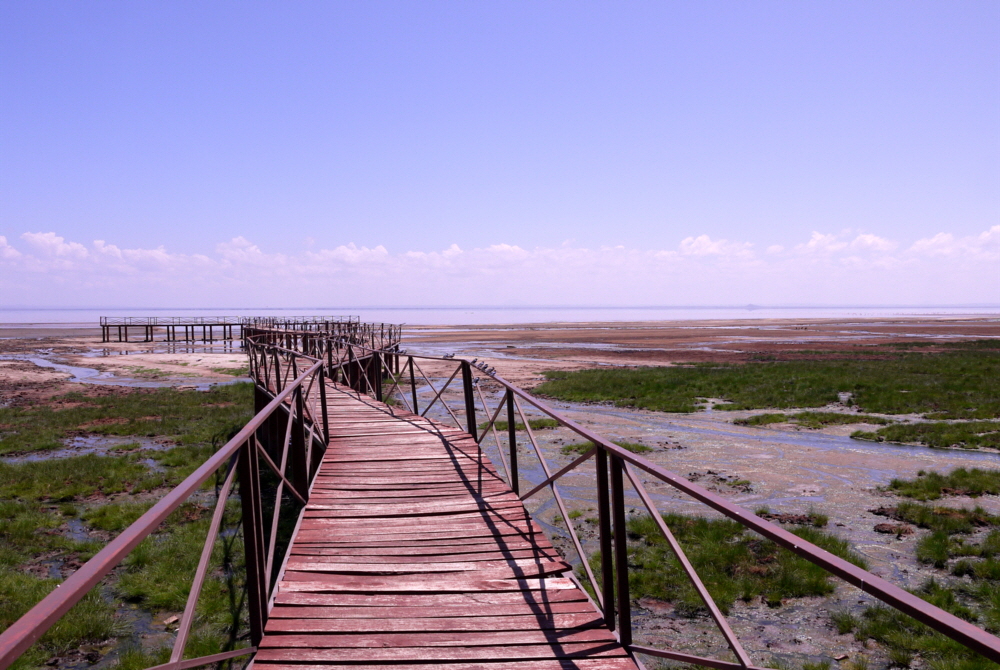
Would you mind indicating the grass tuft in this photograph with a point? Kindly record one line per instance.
(89, 621)
(580, 448)
(812, 420)
(733, 563)
(968, 435)
(933, 485)
(536, 424)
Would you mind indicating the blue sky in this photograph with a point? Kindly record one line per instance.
(204, 130)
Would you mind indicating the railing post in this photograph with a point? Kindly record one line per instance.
(260, 401)
(299, 462)
(322, 402)
(277, 373)
(604, 530)
(350, 371)
(512, 443)
(621, 552)
(253, 539)
(470, 401)
(413, 387)
(376, 376)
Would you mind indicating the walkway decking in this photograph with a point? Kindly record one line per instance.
(414, 553)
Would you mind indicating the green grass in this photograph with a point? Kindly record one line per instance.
(76, 478)
(813, 420)
(905, 638)
(89, 621)
(969, 435)
(812, 518)
(933, 485)
(235, 372)
(580, 448)
(963, 382)
(157, 575)
(949, 520)
(115, 517)
(189, 417)
(536, 424)
(37, 498)
(27, 530)
(733, 563)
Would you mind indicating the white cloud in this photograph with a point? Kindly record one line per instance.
(872, 243)
(703, 245)
(830, 268)
(7, 251)
(984, 246)
(821, 243)
(350, 254)
(53, 245)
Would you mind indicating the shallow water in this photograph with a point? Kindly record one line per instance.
(93, 376)
(820, 461)
(804, 438)
(159, 347)
(101, 445)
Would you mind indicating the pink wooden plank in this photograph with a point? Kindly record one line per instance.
(535, 599)
(414, 550)
(510, 614)
(438, 654)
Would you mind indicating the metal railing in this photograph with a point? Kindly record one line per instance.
(310, 338)
(289, 433)
(263, 321)
(395, 374)
(286, 436)
(171, 320)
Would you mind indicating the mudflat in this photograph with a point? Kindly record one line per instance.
(792, 469)
(520, 352)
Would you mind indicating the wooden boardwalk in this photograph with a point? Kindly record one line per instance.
(414, 553)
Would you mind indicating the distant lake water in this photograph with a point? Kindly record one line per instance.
(452, 316)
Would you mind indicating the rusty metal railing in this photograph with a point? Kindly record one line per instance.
(289, 432)
(395, 374)
(286, 437)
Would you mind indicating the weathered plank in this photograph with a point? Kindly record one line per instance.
(414, 552)
(487, 615)
(397, 624)
(550, 664)
(439, 654)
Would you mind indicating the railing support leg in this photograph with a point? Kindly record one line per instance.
(604, 529)
(413, 388)
(260, 401)
(323, 407)
(512, 443)
(253, 539)
(621, 552)
(470, 400)
(300, 464)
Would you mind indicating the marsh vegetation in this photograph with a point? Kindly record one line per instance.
(733, 562)
(962, 544)
(956, 390)
(57, 513)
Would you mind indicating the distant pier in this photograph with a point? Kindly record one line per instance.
(213, 328)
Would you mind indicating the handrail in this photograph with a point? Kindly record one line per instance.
(372, 363)
(30, 627)
(275, 354)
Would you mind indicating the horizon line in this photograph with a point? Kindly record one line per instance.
(748, 307)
